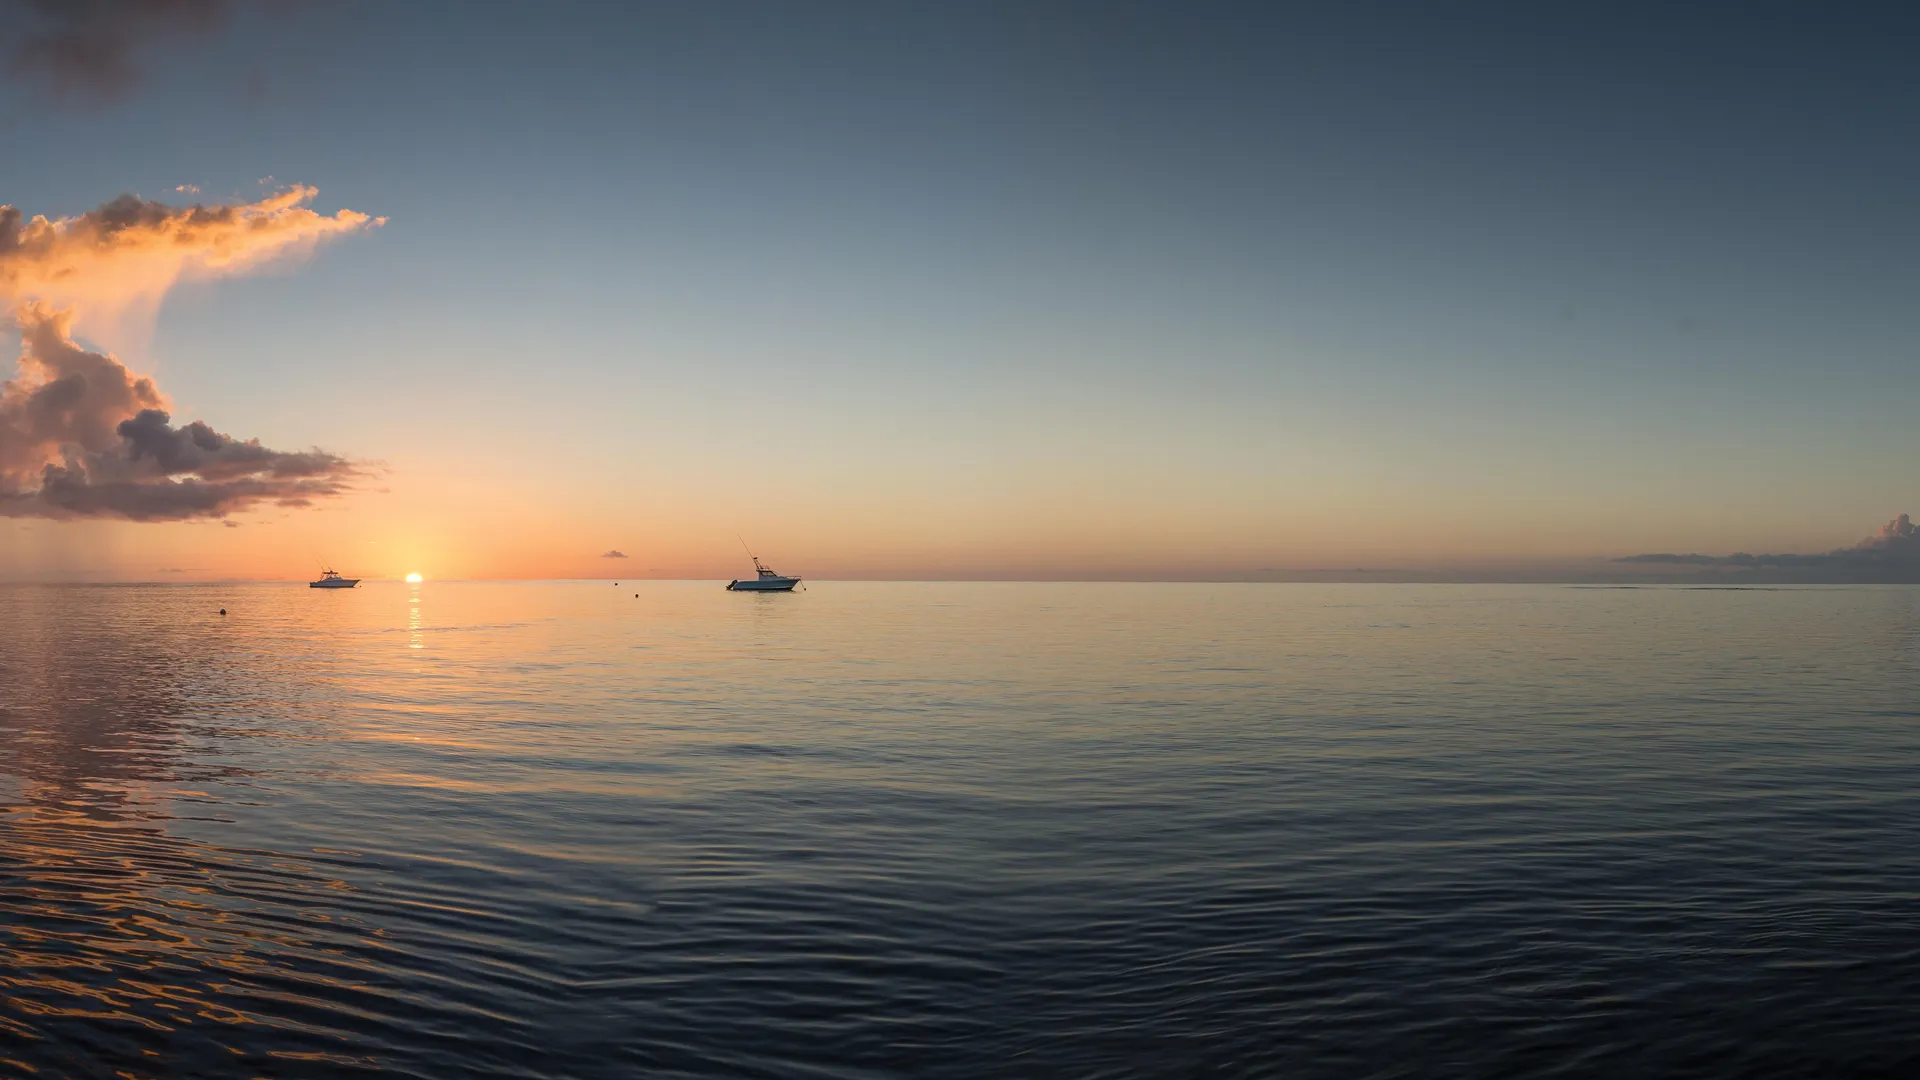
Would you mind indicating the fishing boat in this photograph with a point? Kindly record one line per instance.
(766, 581)
(331, 579)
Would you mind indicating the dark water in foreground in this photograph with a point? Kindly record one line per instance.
(553, 830)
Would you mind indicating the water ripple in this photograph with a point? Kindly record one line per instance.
(958, 830)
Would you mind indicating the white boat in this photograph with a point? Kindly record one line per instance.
(766, 581)
(331, 579)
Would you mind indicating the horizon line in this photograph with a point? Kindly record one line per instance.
(1603, 583)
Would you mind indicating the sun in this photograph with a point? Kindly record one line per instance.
(414, 579)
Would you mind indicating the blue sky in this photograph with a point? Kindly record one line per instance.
(1006, 290)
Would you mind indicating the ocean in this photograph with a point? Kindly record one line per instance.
(958, 830)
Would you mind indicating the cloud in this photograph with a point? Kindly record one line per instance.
(63, 396)
(1671, 559)
(82, 436)
(131, 251)
(1890, 555)
(615, 554)
(89, 48)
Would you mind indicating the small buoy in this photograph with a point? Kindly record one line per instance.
(223, 611)
(636, 596)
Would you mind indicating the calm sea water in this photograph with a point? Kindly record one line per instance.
(957, 830)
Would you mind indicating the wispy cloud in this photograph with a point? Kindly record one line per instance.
(614, 554)
(133, 250)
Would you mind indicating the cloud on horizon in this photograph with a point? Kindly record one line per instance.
(1891, 555)
(615, 554)
(83, 436)
(89, 49)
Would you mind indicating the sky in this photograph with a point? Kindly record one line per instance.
(1054, 290)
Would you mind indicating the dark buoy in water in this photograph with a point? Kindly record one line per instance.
(223, 611)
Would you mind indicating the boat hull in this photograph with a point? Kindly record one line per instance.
(764, 585)
(335, 583)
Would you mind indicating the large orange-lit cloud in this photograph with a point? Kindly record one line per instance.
(83, 436)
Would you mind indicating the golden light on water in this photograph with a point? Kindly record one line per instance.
(414, 579)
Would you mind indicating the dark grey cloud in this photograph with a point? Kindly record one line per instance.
(615, 554)
(81, 436)
(1891, 555)
(91, 49)
(206, 453)
(77, 493)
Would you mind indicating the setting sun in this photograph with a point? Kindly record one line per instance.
(414, 579)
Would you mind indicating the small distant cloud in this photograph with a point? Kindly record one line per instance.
(187, 189)
(615, 554)
(231, 524)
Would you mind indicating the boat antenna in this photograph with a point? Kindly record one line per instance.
(744, 547)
